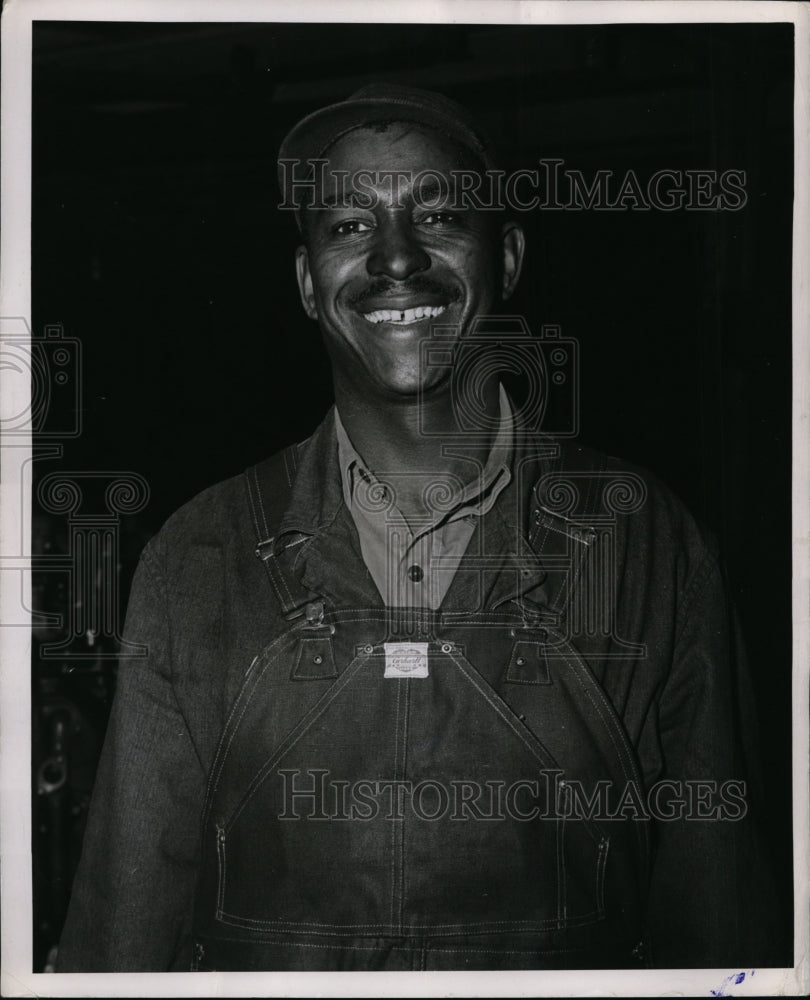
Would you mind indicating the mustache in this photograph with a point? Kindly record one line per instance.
(381, 287)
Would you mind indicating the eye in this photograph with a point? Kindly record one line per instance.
(438, 219)
(351, 227)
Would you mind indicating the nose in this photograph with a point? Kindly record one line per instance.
(397, 252)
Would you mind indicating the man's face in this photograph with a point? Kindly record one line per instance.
(378, 278)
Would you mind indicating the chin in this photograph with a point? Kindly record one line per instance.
(416, 386)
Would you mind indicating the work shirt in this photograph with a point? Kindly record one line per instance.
(413, 562)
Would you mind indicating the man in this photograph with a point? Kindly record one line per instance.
(433, 689)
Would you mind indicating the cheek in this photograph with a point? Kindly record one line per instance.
(332, 278)
(480, 265)
(481, 277)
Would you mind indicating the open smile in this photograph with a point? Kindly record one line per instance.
(403, 317)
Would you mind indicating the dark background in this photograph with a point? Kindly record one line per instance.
(157, 244)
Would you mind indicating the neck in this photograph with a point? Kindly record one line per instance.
(406, 433)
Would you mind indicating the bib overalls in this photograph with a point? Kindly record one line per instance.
(374, 805)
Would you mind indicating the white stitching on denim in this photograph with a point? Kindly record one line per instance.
(523, 642)
(623, 752)
(562, 888)
(298, 731)
(504, 951)
(601, 868)
(535, 752)
(296, 541)
(592, 828)
(246, 694)
(256, 506)
(327, 657)
(393, 822)
(283, 943)
(440, 930)
(268, 655)
(571, 576)
(274, 583)
(290, 464)
(220, 872)
(405, 738)
(274, 573)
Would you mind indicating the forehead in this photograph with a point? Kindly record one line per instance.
(395, 146)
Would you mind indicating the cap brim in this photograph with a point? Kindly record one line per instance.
(313, 135)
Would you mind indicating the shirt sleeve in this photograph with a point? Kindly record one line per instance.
(712, 900)
(132, 900)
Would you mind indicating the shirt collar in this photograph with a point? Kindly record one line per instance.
(316, 507)
(477, 497)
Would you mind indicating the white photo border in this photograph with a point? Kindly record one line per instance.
(16, 978)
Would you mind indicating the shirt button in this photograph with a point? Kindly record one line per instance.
(415, 573)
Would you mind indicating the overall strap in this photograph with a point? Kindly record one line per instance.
(269, 484)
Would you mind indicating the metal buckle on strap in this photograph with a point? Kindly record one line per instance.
(313, 619)
(314, 612)
(265, 549)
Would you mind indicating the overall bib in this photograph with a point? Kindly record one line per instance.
(392, 792)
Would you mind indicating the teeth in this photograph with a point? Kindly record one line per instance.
(403, 316)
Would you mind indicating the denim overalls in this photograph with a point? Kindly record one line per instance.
(390, 789)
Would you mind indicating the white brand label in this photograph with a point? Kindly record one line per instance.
(406, 659)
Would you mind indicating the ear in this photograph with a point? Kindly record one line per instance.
(513, 243)
(304, 276)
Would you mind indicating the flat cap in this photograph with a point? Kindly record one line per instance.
(384, 102)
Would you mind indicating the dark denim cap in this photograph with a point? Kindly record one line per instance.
(384, 102)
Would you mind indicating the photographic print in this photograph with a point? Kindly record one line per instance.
(403, 468)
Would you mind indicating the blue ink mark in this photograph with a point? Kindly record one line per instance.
(734, 980)
(427, 745)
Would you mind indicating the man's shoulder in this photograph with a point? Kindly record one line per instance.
(213, 507)
(581, 460)
(593, 482)
(221, 511)
(574, 455)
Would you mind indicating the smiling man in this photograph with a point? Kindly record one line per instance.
(433, 689)
(378, 268)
